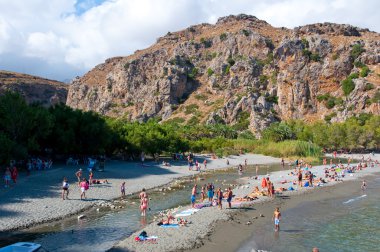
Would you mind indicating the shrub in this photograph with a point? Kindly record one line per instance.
(273, 77)
(368, 86)
(330, 103)
(357, 49)
(306, 53)
(263, 79)
(335, 56)
(245, 32)
(193, 120)
(227, 70)
(323, 97)
(206, 42)
(223, 36)
(273, 99)
(210, 72)
(329, 117)
(201, 97)
(269, 43)
(231, 61)
(193, 74)
(305, 43)
(191, 108)
(315, 57)
(364, 72)
(348, 86)
(358, 63)
(353, 76)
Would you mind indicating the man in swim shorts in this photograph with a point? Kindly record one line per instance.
(276, 218)
(229, 196)
(193, 196)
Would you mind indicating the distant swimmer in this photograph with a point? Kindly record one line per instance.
(364, 185)
(277, 218)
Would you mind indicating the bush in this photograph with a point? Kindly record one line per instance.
(191, 108)
(348, 86)
(330, 103)
(323, 97)
(306, 53)
(335, 56)
(305, 43)
(329, 117)
(357, 49)
(273, 99)
(227, 70)
(210, 72)
(315, 57)
(193, 74)
(353, 76)
(223, 36)
(263, 79)
(364, 72)
(245, 32)
(368, 86)
(359, 64)
(201, 97)
(231, 61)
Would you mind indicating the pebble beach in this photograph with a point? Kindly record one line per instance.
(36, 199)
(204, 223)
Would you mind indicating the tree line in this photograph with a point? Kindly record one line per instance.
(31, 129)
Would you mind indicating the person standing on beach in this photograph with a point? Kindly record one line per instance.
(193, 195)
(219, 195)
(270, 189)
(203, 193)
(276, 217)
(205, 163)
(229, 196)
(90, 176)
(14, 174)
(78, 174)
(245, 163)
(83, 185)
(122, 189)
(257, 169)
(282, 163)
(65, 189)
(142, 158)
(142, 194)
(300, 178)
(210, 194)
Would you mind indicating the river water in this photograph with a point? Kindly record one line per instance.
(100, 230)
(344, 223)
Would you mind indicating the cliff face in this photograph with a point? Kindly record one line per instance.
(34, 89)
(240, 71)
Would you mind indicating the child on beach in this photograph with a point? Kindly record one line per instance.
(203, 193)
(78, 174)
(7, 177)
(122, 189)
(276, 218)
(65, 189)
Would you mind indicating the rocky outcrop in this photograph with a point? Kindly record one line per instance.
(240, 71)
(34, 89)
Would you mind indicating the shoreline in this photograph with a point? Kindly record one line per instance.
(203, 235)
(36, 201)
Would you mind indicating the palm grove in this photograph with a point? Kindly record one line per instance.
(59, 130)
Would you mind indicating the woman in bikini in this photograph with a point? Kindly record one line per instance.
(144, 205)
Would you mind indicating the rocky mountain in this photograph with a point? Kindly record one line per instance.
(33, 88)
(241, 71)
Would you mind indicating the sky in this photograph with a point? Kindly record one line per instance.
(62, 39)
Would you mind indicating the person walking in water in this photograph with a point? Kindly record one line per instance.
(78, 174)
(65, 189)
(219, 195)
(193, 196)
(364, 185)
(122, 189)
(277, 218)
(144, 205)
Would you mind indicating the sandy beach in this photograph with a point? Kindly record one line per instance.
(36, 199)
(210, 226)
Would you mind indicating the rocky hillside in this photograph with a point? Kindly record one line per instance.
(240, 71)
(34, 89)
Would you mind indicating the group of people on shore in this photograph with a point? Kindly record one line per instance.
(10, 174)
(210, 188)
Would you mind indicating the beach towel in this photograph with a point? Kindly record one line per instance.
(170, 226)
(306, 184)
(202, 205)
(187, 212)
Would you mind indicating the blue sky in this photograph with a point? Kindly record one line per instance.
(61, 39)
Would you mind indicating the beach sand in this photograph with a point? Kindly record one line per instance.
(37, 199)
(224, 230)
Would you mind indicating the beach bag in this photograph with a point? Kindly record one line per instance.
(143, 234)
